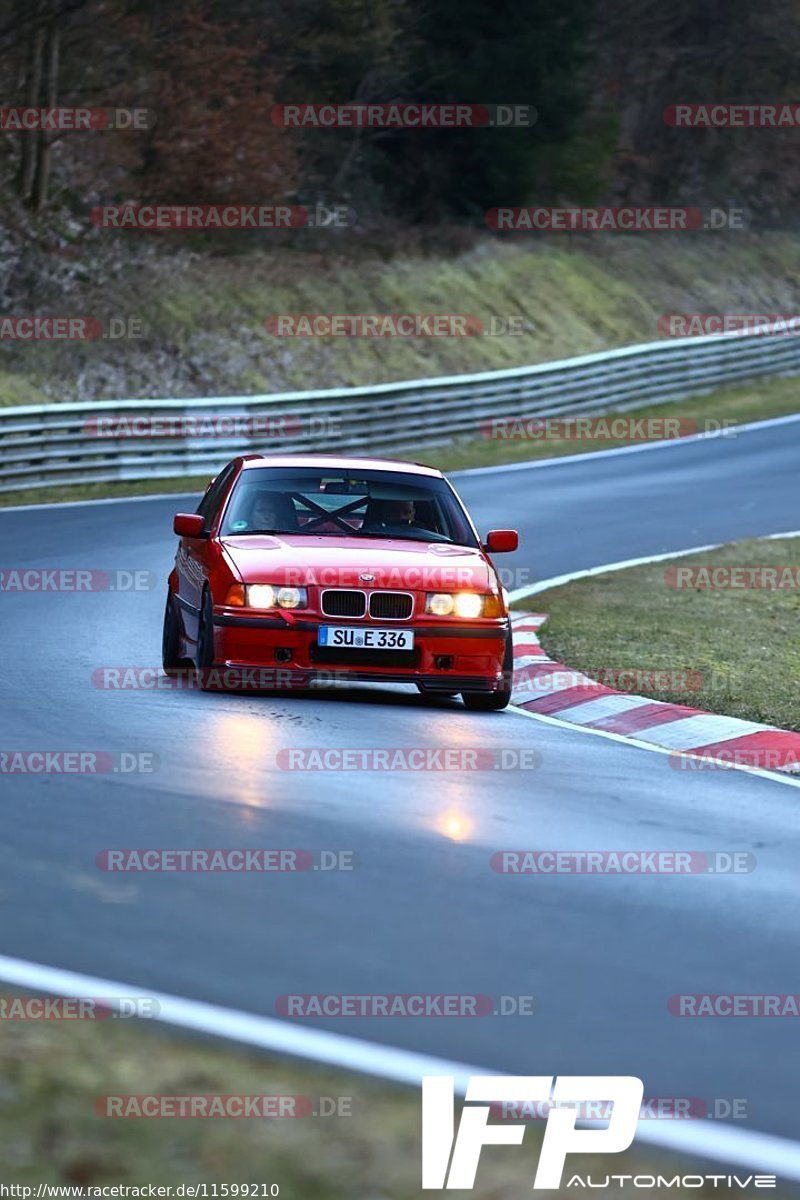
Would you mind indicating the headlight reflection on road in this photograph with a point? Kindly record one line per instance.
(248, 767)
(454, 800)
(454, 790)
(455, 824)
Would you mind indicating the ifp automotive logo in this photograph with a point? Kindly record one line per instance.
(440, 1149)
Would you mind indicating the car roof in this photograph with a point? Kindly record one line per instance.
(339, 462)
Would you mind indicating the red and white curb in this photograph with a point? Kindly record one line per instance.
(549, 688)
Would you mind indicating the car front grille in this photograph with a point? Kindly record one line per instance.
(340, 603)
(391, 606)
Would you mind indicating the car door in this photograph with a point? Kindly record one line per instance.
(192, 559)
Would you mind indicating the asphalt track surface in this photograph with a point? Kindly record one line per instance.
(423, 911)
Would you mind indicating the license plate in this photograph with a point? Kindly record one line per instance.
(351, 637)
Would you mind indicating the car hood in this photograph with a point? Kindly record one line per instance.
(303, 560)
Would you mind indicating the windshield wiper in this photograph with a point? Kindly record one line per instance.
(430, 536)
(245, 532)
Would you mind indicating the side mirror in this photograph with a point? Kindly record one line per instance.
(501, 541)
(188, 525)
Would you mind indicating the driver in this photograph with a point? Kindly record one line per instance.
(393, 513)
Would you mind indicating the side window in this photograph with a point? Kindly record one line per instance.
(210, 503)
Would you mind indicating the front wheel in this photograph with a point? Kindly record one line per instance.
(494, 701)
(205, 642)
(171, 639)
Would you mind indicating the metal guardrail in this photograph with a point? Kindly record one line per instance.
(45, 446)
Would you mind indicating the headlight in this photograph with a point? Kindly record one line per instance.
(292, 597)
(264, 595)
(441, 604)
(462, 604)
(469, 604)
(261, 595)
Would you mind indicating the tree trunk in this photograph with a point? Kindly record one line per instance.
(41, 183)
(33, 81)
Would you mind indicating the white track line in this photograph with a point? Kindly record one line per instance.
(268, 1033)
(719, 1143)
(544, 585)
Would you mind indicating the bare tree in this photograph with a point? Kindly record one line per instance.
(44, 140)
(33, 83)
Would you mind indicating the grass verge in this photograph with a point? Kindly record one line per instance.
(755, 401)
(53, 1073)
(105, 491)
(200, 313)
(739, 645)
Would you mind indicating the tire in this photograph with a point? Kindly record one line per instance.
(494, 701)
(171, 639)
(205, 642)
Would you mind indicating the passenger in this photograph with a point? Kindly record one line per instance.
(269, 512)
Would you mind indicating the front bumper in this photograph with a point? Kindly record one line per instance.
(461, 656)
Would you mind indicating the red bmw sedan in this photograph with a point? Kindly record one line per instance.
(318, 567)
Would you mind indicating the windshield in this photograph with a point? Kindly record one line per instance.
(367, 504)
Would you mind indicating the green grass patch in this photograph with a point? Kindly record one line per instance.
(105, 491)
(18, 389)
(54, 1072)
(740, 646)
